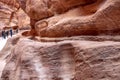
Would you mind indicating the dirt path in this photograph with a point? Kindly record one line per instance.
(2, 43)
(2, 62)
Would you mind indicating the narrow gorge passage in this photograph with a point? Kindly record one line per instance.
(60, 40)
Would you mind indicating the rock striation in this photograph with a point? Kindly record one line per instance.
(12, 3)
(5, 14)
(12, 15)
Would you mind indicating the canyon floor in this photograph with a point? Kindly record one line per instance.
(2, 61)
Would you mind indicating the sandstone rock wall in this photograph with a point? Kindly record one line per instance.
(67, 58)
(5, 13)
(12, 3)
(40, 9)
(12, 15)
(73, 17)
(23, 19)
(71, 59)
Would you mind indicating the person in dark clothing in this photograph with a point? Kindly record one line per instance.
(7, 33)
(16, 30)
(3, 34)
(11, 33)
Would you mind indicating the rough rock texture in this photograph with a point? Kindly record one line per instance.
(39, 9)
(5, 14)
(67, 58)
(23, 19)
(73, 17)
(71, 59)
(5, 52)
(12, 3)
(12, 15)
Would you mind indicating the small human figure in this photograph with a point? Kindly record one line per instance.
(3, 34)
(11, 33)
(16, 30)
(7, 33)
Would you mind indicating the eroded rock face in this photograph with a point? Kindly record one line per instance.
(73, 58)
(40, 9)
(104, 19)
(73, 17)
(5, 52)
(12, 3)
(12, 15)
(65, 60)
(5, 14)
(23, 19)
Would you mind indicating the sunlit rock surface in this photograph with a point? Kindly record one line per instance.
(73, 17)
(11, 15)
(5, 14)
(23, 19)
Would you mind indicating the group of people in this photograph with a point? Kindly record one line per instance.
(6, 33)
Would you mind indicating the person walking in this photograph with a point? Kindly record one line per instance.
(11, 32)
(17, 30)
(7, 33)
(3, 34)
